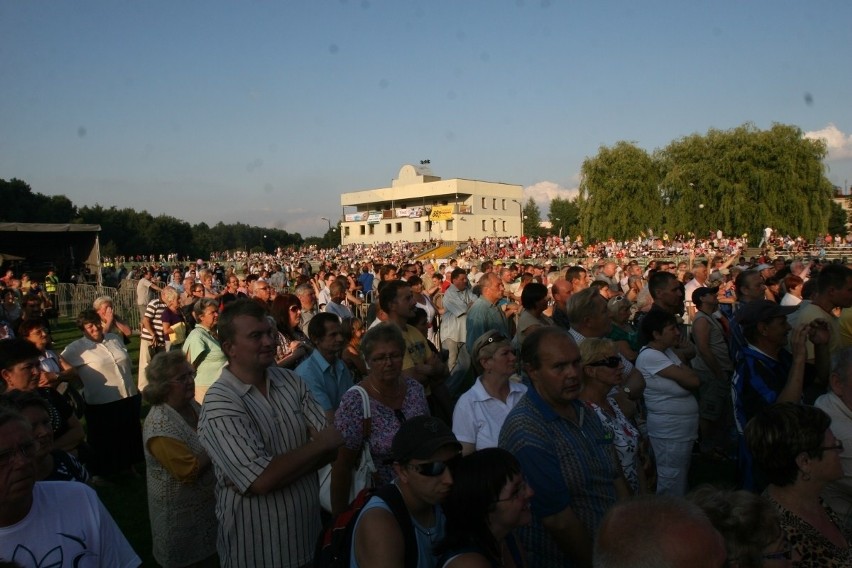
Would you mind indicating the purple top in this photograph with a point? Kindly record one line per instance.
(348, 420)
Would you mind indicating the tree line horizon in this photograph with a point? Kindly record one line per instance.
(738, 180)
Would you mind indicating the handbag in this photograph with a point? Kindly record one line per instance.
(362, 475)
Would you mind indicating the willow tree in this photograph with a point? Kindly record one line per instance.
(619, 193)
(744, 179)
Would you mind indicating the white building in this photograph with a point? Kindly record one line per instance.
(419, 206)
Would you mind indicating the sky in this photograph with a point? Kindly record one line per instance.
(265, 112)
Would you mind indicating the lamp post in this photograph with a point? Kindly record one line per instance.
(520, 214)
(330, 228)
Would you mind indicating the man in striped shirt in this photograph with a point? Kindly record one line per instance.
(266, 436)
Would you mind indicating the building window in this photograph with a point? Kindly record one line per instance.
(483, 203)
(504, 226)
(483, 225)
(493, 203)
(363, 229)
(399, 227)
(417, 227)
(504, 205)
(449, 225)
(372, 229)
(429, 226)
(387, 228)
(494, 225)
(346, 231)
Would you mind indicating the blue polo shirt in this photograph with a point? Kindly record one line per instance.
(566, 464)
(326, 382)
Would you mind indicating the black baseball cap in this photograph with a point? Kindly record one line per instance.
(419, 439)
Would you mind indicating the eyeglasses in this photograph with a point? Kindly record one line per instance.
(26, 450)
(838, 445)
(386, 358)
(611, 362)
(184, 378)
(432, 469)
(520, 490)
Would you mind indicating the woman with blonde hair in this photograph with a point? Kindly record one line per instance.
(481, 410)
(602, 372)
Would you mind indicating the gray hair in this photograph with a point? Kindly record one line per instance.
(303, 289)
(202, 304)
(169, 294)
(382, 333)
(100, 301)
(581, 305)
(158, 372)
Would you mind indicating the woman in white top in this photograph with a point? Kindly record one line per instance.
(672, 408)
(423, 301)
(793, 285)
(112, 400)
(480, 412)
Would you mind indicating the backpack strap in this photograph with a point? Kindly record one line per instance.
(391, 495)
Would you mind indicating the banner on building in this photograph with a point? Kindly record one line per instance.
(441, 213)
(374, 217)
(410, 212)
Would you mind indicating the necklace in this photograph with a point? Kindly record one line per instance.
(380, 393)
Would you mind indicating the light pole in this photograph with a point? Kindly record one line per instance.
(520, 214)
(330, 228)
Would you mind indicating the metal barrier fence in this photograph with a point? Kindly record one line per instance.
(72, 299)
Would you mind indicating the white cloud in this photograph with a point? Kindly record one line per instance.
(839, 144)
(545, 191)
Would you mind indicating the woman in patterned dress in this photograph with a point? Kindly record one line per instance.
(181, 483)
(602, 371)
(393, 400)
(794, 448)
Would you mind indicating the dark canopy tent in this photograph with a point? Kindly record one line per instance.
(68, 247)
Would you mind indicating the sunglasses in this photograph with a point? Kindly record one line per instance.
(496, 337)
(611, 362)
(433, 469)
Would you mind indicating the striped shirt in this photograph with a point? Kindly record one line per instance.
(567, 464)
(154, 312)
(242, 431)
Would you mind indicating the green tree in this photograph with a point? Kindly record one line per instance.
(619, 195)
(564, 216)
(532, 219)
(838, 219)
(744, 179)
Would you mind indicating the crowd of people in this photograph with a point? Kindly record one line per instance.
(502, 413)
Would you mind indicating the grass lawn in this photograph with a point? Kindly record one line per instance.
(126, 499)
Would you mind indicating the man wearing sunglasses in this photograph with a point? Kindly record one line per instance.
(421, 452)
